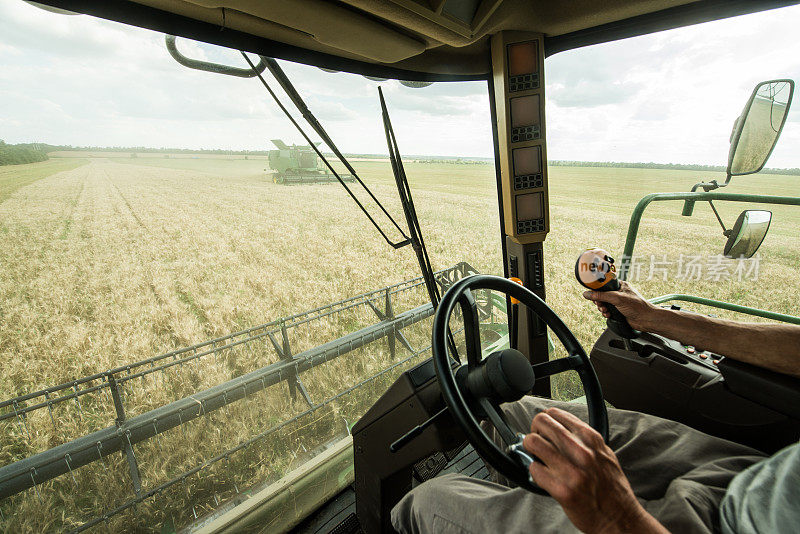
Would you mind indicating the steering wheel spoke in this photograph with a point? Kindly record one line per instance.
(560, 365)
(472, 327)
(495, 416)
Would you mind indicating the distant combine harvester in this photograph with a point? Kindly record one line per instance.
(299, 164)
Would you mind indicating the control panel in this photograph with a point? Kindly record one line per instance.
(702, 357)
(650, 345)
(518, 96)
(698, 355)
(714, 394)
(518, 75)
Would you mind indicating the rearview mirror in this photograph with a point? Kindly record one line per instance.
(747, 234)
(757, 130)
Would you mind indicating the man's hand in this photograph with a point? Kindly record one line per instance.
(582, 473)
(628, 301)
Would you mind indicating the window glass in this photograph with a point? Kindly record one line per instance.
(654, 114)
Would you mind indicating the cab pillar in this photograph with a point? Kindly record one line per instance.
(517, 92)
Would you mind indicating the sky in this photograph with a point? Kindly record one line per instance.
(669, 97)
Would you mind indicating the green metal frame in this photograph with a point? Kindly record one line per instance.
(285, 503)
(638, 211)
(633, 230)
(727, 306)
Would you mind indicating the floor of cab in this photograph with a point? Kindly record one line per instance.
(337, 516)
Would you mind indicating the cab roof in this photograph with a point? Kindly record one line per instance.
(426, 40)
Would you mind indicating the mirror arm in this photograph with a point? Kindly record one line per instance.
(725, 231)
(697, 185)
(709, 186)
(688, 205)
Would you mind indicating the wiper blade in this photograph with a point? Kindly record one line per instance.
(292, 93)
(407, 201)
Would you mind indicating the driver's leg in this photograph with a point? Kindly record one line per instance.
(456, 504)
(652, 451)
(679, 473)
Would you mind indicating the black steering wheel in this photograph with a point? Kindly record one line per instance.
(481, 384)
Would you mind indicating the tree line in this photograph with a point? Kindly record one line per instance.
(22, 153)
(30, 153)
(152, 150)
(651, 165)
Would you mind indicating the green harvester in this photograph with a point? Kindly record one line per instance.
(299, 164)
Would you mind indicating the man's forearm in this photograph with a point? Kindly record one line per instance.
(773, 346)
(643, 523)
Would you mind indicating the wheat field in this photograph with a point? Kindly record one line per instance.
(109, 261)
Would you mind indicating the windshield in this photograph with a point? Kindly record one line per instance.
(176, 257)
(653, 114)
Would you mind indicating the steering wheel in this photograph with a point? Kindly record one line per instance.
(481, 384)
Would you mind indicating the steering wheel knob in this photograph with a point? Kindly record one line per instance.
(503, 376)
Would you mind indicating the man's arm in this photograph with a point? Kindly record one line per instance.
(769, 345)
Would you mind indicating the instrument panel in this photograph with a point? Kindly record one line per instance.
(518, 74)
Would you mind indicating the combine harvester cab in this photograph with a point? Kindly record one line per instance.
(299, 164)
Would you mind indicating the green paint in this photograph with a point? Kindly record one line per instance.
(284, 507)
(638, 211)
(347, 475)
(728, 306)
(168, 527)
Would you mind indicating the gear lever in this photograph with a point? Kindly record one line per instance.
(595, 270)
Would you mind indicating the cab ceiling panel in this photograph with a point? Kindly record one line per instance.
(407, 39)
(331, 24)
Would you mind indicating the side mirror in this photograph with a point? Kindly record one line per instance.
(756, 131)
(747, 234)
(754, 135)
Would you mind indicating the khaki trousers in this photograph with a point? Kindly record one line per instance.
(678, 474)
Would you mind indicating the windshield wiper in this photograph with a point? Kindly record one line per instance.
(294, 96)
(414, 229)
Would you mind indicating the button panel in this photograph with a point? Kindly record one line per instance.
(709, 359)
(528, 181)
(535, 269)
(531, 226)
(525, 133)
(523, 82)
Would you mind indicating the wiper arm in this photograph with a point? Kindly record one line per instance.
(407, 201)
(292, 93)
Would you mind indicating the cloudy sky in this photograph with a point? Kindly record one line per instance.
(667, 97)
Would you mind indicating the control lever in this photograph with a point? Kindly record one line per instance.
(595, 270)
(409, 436)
